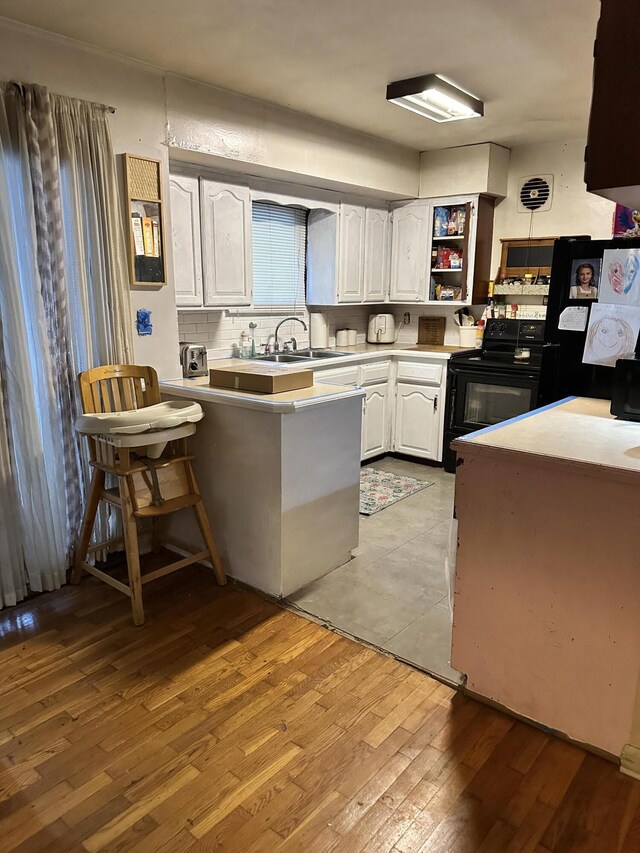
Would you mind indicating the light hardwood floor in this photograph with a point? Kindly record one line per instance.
(226, 723)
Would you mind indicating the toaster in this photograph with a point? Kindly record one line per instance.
(193, 358)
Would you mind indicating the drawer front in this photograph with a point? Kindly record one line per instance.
(378, 372)
(418, 371)
(340, 376)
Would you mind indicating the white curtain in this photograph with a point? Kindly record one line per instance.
(63, 308)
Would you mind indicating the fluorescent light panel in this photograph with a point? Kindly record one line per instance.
(435, 98)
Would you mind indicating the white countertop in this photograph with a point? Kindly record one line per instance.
(357, 354)
(577, 431)
(291, 401)
(286, 402)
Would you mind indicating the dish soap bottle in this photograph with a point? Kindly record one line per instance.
(245, 345)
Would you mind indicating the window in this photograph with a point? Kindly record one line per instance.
(279, 255)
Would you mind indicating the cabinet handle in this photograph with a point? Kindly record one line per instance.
(435, 403)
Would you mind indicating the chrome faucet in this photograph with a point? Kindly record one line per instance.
(276, 345)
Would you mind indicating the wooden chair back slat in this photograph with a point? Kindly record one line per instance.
(118, 387)
(117, 396)
(140, 393)
(105, 396)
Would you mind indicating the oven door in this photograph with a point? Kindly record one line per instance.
(484, 398)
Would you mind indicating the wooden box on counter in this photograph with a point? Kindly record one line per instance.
(261, 378)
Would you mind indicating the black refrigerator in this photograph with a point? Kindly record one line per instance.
(576, 263)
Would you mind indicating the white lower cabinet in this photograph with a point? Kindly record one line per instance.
(375, 421)
(417, 421)
(403, 414)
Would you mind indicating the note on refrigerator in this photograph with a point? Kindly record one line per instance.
(612, 334)
(620, 277)
(574, 318)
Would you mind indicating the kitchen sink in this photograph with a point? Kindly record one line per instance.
(280, 357)
(320, 353)
(300, 355)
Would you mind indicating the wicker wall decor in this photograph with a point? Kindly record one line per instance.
(143, 183)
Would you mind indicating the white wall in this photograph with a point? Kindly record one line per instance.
(464, 170)
(573, 209)
(211, 126)
(207, 126)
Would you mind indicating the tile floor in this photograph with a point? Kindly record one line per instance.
(394, 593)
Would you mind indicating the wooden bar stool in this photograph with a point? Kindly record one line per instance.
(146, 487)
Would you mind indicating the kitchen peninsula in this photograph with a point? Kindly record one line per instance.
(547, 590)
(280, 477)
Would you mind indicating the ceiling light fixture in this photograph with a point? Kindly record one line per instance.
(434, 97)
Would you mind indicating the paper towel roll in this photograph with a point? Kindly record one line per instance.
(318, 330)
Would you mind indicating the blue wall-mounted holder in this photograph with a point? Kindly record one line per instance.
(143, 322)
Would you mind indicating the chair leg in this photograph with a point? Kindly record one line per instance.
(88, 519)
(133, 554)
(209, 541)
(156, 538)
(205, 528)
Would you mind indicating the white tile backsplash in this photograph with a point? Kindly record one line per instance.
(219, 331)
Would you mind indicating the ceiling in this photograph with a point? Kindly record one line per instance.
(529, 60)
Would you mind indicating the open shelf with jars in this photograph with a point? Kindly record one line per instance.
(441, 250)
(449, 249)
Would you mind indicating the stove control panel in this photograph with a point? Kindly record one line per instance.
(514, 330)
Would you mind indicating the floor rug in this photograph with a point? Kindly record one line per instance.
(380, 489)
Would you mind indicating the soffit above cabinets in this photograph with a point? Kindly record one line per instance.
(530, 62)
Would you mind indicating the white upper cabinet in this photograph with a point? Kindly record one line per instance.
(376, 254)
(185, 228)
(351, 253)
(441, 250)
(410, 252)
(347, 255)
(226, 243)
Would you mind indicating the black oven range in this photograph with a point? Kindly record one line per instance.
(489, 385)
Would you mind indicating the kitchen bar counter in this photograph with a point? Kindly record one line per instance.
(280, 478)
(283, 403)
(547, 589)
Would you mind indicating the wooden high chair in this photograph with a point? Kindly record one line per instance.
(145, 488)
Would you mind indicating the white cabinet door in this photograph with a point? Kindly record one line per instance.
(410, 253)
(351, 254)
(417, 425)
(376, 255)
(185, 228)
(374, 421)
(226, 243)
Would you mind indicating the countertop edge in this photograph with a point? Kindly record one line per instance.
(479, 444)
(349, 358)
(207, 394)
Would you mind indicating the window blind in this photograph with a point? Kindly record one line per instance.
(279, 255)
